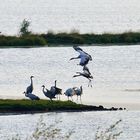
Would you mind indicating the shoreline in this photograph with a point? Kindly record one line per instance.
(42, 112)
(51, 39)
(64, 46)
(17, 107)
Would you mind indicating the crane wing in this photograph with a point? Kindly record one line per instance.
(83, 53)
(86, 70)
(77, 48)
(84, 60)
(90, 58)
(29, 89)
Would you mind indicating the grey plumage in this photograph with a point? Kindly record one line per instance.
(31, 96)
(48, 93)
(29, 89)
(86, 73)
(79, 49)
(86, 70)
(78, 92)
(69, 93)
(55, 90)
(84, 57)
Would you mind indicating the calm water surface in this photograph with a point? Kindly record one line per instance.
(62, 15)
(85, 124)
(115, 70)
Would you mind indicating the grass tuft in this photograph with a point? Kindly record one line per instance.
(110, 133)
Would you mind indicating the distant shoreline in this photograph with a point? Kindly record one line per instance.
(9, 107)
(51, 39)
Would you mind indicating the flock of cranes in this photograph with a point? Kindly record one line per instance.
(55, 91)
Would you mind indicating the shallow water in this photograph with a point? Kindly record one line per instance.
(84, 124)
(115, 70)
(96, 16)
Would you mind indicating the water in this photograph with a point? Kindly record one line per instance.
(85, 124)
(115, 70)
(96, 16)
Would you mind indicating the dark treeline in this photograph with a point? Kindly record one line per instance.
(70, 38)
(89, 39)
(29, 40)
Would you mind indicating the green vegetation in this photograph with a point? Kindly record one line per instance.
(110, 133)
(22, 106)
(24, 29)
(30, 40)
(25, 38)
(89, 39)
(51, 39)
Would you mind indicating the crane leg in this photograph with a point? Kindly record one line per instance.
(90, 83)
(80, 99)
(71, 98)
(57, 97)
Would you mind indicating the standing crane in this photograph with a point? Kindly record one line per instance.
(69, 93)
(30, 88)
(48, 93)
(78, 92)
(55, 90)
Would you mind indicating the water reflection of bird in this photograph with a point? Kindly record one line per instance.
(84, 57)
(86, 73)
(48, 93)
(69, 93)
(78, 92)
(29, 89)
(31, 96)
(55, 90)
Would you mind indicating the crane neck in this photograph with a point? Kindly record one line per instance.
(55, 83)
(26, 94)
(75, 57)
(81, 89)
(31, 82)
(43, 90)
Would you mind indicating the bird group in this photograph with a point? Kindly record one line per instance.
(84, 59)
(53, 92)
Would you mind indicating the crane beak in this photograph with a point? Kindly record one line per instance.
(71, 58)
